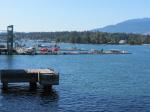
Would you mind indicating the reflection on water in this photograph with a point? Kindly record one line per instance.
(50, 94)
(9, 60)
(17, 95)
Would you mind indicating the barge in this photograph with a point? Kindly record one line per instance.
(45, 77)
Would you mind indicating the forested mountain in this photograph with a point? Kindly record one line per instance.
(133, 31)
(140, 26)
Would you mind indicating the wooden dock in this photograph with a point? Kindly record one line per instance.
(24, 51)
(4, 51)
(45, 77)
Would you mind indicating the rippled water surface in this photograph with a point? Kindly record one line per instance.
(88, 83)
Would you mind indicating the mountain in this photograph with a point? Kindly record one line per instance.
(141, 26)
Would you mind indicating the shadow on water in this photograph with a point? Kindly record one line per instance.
(25, 91)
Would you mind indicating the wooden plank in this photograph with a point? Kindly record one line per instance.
(41, 71)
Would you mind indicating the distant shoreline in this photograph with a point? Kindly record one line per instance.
(86, 37)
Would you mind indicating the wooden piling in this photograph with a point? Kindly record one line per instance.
(5, 86)
(33, 85)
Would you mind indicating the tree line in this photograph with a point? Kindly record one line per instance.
(86, 37)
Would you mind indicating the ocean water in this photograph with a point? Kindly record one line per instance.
(88, 83)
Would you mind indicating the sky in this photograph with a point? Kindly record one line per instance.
(69, 15)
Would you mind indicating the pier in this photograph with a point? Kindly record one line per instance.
(4, 51)
(44, 77)
(39, 49)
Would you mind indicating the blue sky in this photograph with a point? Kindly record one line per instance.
(62, 15)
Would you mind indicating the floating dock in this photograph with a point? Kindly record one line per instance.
(4, 51)
(45, 77)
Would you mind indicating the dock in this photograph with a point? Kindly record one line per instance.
(13, 48)
(4, 51)
(44, 77)
(23, 51)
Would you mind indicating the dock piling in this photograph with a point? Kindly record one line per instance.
(33, 85)
(5, 85)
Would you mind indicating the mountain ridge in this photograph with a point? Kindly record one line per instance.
(140, 26)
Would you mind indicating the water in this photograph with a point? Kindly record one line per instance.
(88, 83)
